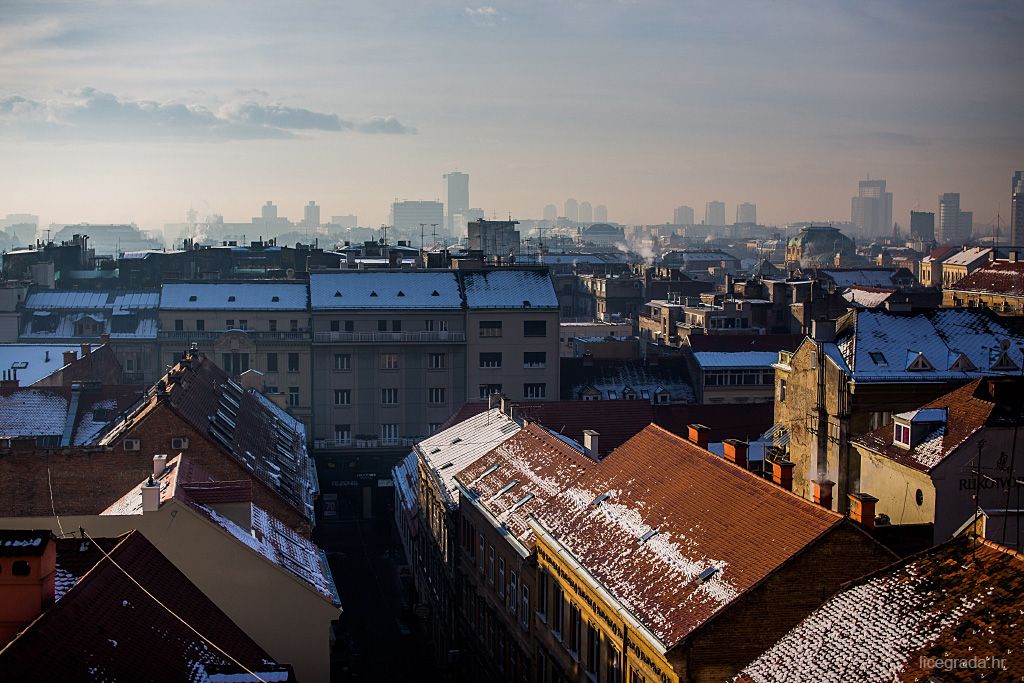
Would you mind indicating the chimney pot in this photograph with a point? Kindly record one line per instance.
(782, 474)
(86, 348)
(151, 496)
(698, 434)
(736, 451)
(862, 509)
(69, 357)
(159, 464)
(104, 338)
(590, 443)
(822, 492)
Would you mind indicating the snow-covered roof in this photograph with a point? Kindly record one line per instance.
(448, 452)
(742, 359)
(134, 301)
(866, 298)
(57, 300)
(867, 277)
(32, 412)
(232, 296)
(967, 257)
(32, 361)
(510, 289)
(145, 327)
(923, 415)
(391, 290)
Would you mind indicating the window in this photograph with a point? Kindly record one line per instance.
(433, 427)
(500, 587)
(534, 359)
(919, 497)
(343, 433)
(593, 649)
(234, 363)
(534, 390)
(273, 326)
(342, 361)
(490, 564)
(513, 592)
(557, 610)
(490, 328)
(21, 568)
(179, 325)
(488, 389)
(635, 676)
(230, 323)
(524, 612)
(535, 328)
(396, 325)
(878, 358)
(382, 325)
(200, 325)
(271, 362)
(293, 362)
(335, 326)
(613, 668)
(293, 396)
(243, 324)
(542, 594)
(389, 433)
(490, 359)
(782, 391)
(293, 325)
(575, 629)
(389, 397)
(435, 395)
(350, 326)
(901, 434)
(389, 361)
(342, 397)
(480, 554)
(436, 361)
(435, 325)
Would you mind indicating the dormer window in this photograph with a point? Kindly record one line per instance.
(901, 434)
(878, 358)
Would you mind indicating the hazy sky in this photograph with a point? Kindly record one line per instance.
(117, 111)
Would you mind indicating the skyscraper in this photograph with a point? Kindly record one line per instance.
(871, 209)
(456, 192)
(922, 226)
(683, 215)
(572, 210)
(954, 225)
(746, 213)
(1017, 210)
(601, 213)
(714, 213)
(586, 213)
(311, 215)
(550, 212)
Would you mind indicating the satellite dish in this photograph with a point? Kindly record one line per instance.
(1004, 344)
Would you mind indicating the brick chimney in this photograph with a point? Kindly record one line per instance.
(736, 452)
(159, 464)
(782, 474)
(862, 509)
(69, 357)
(104, 338)
(590, 443)
(10, 380)
(29, 561)
(86, 349)
(821, 491)
(698, 434)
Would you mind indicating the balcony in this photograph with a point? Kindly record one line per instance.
(388, 337)
(212, 335)
(362, 442)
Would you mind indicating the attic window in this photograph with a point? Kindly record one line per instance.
(231, 298)
(1004, 362)
(901, 434)
(456, 440)
(647, 536)
(337, 295)
(275, 298)
(707, 574)
(401, 293)
(434, 293)
(963, 364)
(19, 365)
(436, 450)
(919, 363)
(373, 293)
(878, 357)
(193, 298)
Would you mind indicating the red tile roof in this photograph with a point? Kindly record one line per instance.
(1000, 277)
(107, 628)
(705, 512)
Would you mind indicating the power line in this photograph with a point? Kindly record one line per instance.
(170, 611)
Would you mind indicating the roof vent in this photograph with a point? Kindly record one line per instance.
(401, 293)
(436, 450)
(193, 298)
(434, 293)
(456, 440)
(374, 293)
(648, 536)
(337, 295)
(707, 574)
(275, 298)
(231, 298)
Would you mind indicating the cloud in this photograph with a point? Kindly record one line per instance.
(484, 16)
(90, 114)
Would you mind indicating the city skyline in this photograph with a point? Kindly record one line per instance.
(221, 111)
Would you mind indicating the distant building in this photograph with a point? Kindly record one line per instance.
(683, 215)
(714, 213)
(996, 285)
(922, 226)
(268, 221)
(311, 215)
(818, 245)
(550, 212)
(586, 212)
(872, 209)
(345, 222)
(601, 213)
(603, 234)
(1017, 210)
(408, 216)
(456, 192)
(746, 213)
(572, 210)
(496, 239)
(954, 226)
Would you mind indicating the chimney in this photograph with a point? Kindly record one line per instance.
(782, 474)
(10, 380)
(698, 434)
(862, 509)
(151, 495)
(1013, 256)
(506, 405)
(86, 348)
(736, 452)
(590, 443)
(159, 464)
(822, 492)
(823, 330)
(104, 338)
(27, 582)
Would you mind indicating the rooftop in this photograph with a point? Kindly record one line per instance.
(999, 277)
(32, 362)
(968, 257)
(709, 360)
(370, 289)
(230, 296)
(71, 417)
(509, 289)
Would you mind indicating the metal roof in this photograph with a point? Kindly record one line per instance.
(510, 289)
(387, 290)
(229, 296)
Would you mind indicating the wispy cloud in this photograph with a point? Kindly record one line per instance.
(93, 115)
(484, 16)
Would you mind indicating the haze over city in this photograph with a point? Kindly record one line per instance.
(117, 114)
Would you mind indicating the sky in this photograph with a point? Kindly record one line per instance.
(117, 111)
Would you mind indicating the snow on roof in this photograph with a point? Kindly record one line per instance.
(967, 257)
(448, 452)
(866, 277)
(391, 290)
(740, 359)
(234, 296)
(145, 328)
(92, 423)
(924, 415)
(133, 301)
(866, 298)
(33, 361)
(510, 289)
(67, 300)
(406, 477)
(32, 412)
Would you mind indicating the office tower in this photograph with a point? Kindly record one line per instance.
(601, 213)
(572, 210)
(1017, 210)
(269, 211)
(922, 226)
(714, 213)
(311, 215)
(456, 192)
(951, 223)
(967, 225)
(746, 213)
(409, 216)
(550, 212)
(871, 209)
(586, 212)
(683, 215)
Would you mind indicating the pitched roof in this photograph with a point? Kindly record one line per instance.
(968, 257)
(731, 343)
(369, 289)
(111, 630)
(999, 277)
(736, 359)
(32, 362)
(672, 512)
(231, 296)
(47, 411)
(941, 253)
(519, 476)
(250, 428)
(510, 289)
(953, 601)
